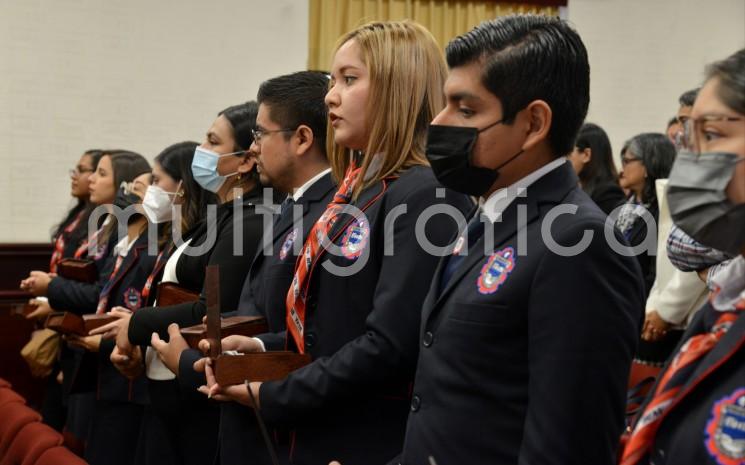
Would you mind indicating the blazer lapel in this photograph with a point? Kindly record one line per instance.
(366, 199)
(284, 224)
(318, 192)
(548, 190)
(731, 343)
(496, 234)
(128, 262)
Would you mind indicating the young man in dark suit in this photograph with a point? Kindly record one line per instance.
(529, 328)
(290, 148)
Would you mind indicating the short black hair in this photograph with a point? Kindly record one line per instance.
(298, 98)
(688, 97)
(243, 119)
(527, 58)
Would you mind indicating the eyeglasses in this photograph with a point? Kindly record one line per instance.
(682, 119)
(693, 132)
(626, 160)
(259, 133)
(75, 172)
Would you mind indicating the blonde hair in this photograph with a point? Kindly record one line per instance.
(407, 73)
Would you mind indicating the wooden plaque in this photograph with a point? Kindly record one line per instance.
(257, 366)
(173, 294)
(70, 323)
(241, 325)
(78, 270)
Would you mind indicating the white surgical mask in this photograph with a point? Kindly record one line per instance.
(158, 204)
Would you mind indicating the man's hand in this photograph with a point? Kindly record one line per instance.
(237, 393)
(111, 330)
(242, 344)
(42, 309)
(37, 283)
(89, 343)
(655, 328)
(170, 352)
(130, 365)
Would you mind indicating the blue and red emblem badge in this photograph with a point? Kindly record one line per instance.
(724, 436)
(355, 239)
(287, 244)
(494, 273)
(132, 298)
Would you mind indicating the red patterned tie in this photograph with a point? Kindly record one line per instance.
(297, 293)
(671, 381)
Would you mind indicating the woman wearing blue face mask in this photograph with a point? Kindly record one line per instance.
(221, 165)
(695, 414)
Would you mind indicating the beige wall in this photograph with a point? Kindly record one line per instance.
(142, 74)
(645, 53)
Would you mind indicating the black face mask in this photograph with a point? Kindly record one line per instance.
(450, 152)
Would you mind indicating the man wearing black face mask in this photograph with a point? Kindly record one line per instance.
(530, 326)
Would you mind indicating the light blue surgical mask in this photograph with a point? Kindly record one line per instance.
(204, 169)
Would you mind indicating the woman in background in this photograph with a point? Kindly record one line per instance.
(71, 232)
(69, 239)
(592, 160)
(119, 403)
(645, 158)
(696, 411)
(222, 165)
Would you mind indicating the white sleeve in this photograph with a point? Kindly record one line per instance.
(684, 294)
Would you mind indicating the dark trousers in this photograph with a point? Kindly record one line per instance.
(177, 429)
(113, 435)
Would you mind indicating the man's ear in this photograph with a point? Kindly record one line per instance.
(539, 117)
(302, 140)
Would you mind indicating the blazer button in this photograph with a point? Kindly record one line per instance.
(428, 338)
(415, 403)
(310, 340)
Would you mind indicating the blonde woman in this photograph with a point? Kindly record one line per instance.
(355, 302)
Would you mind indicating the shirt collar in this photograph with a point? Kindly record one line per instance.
(304, 188)
(123, 246)
(498, 201)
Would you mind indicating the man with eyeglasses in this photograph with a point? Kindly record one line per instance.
(290, 150)
(675, 129)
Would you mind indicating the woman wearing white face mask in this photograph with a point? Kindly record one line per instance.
(174, 194)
